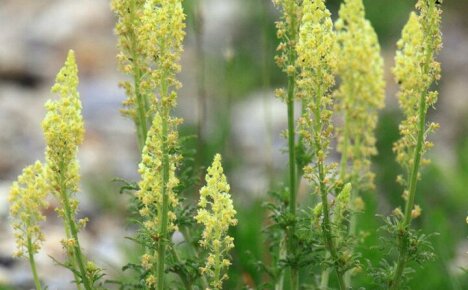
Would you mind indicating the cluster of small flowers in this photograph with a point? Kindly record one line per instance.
(287, 32)
(317, 65)
(361, 92)
(150, 42)
(151, 185)
(27, 200)
(415, 70)
(216, 212)
(64, 130)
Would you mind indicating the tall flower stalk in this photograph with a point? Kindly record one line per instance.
(133, 62)
(415, 70)
(150, 35)
(158, 32)
(359, 97)
(158, 199)
(216, 213)
(317, 64)
(288, 32)
(64, 130)
(27, 200)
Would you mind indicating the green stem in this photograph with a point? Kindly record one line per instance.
(326, 227)
(326, 224)
(69, 219)
(292, 172)
(33, 265)
(142, 104)
(165, 205)
(402, 259)
(405, 225)
(165, 208)
(325, 277)
(290, 10)
(141, 123)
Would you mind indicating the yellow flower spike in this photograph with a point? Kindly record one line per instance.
(63, 128)
(150, 37)
(151, 184)
(157, 193)
(317, 67)
(316, 61)
(64, 131)
(216, 212)
(361, 93)
(27, 200)
(415, 70)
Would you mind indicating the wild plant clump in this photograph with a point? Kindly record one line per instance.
(334, 72)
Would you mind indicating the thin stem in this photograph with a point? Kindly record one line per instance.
(402, 259)
(69, 219)
(290, 10)
(405, 225)
(292, 172)
(326, 224)
(326, 227)
(141, 123)
(33, 265)
(142, 106)
(165, 205)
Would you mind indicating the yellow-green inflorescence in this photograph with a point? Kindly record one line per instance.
(317, 63)
(216, 213)
(27, 201)
(359, 97)
(317, 67)
(156, 194)
(415, 70)
(64, 131)
(361, 92)
(150, 35)
(287, 32)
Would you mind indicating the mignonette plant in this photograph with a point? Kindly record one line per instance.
(334, 74)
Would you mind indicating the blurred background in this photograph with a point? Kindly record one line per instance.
(227, 100)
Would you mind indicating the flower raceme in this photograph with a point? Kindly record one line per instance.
(64, 130)
(216, 213)
(156, 194)
(317, 66)
(150, 36)
(27, 200)
(317, 63)
(361, 92)
(415, 70)
(151, 184)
